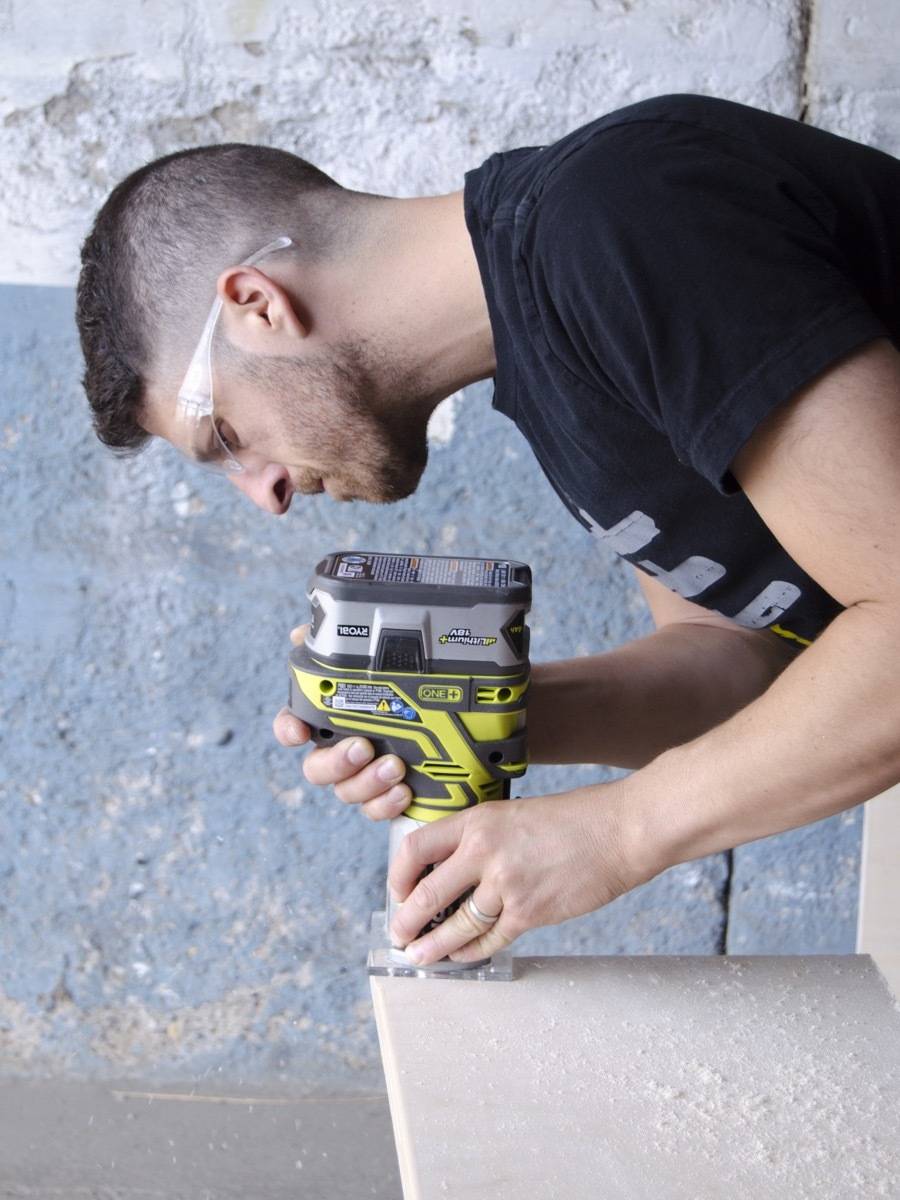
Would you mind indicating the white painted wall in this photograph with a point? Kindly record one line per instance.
(395, 97)
(854, 70)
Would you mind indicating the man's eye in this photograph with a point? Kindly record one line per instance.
(228, 436)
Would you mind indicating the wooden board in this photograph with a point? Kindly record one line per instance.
(646, 1079)
(879, 892)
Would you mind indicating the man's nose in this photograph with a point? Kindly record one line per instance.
(268, 486)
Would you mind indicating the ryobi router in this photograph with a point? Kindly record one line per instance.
(427, 657)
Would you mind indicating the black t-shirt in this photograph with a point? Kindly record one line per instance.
(657, 282)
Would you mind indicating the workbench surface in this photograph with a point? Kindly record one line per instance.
(646, 1079)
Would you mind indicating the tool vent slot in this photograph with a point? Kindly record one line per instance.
(492, 790)
(443, 770)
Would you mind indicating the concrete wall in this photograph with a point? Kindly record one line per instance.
(175, 901)
(390, 96)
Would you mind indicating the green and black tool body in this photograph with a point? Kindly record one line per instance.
(427, 657)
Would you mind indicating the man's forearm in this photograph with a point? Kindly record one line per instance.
(823, 737)
(625, 707)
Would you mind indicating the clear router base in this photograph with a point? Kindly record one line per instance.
(385, 959)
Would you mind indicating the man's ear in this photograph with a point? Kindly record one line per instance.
(258, 311)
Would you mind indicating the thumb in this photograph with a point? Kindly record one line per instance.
(298, 635)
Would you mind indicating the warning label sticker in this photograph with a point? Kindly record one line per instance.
(420, 568)
(377, 698)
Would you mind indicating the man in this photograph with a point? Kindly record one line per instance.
(690, 309)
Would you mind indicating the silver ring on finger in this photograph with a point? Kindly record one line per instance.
(483, 917)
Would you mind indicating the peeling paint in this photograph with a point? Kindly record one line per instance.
(245, 18)
(391, 97)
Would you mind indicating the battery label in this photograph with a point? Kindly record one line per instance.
(463, 636)
(377, 698)
(416, 568)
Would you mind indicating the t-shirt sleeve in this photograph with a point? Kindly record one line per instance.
(692, 276)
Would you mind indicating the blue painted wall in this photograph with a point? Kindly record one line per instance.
(175, 900)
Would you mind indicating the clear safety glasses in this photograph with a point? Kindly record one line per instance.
(194, 411)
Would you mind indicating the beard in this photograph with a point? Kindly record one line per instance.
(353, 415)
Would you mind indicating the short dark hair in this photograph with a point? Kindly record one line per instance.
(156, 247)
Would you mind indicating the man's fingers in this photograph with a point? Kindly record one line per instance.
(391, 804)
(333, 764)
(371, 781)
(290, 730)
(432, 894)
(485, 945)
(462, 936)
(431, 844)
